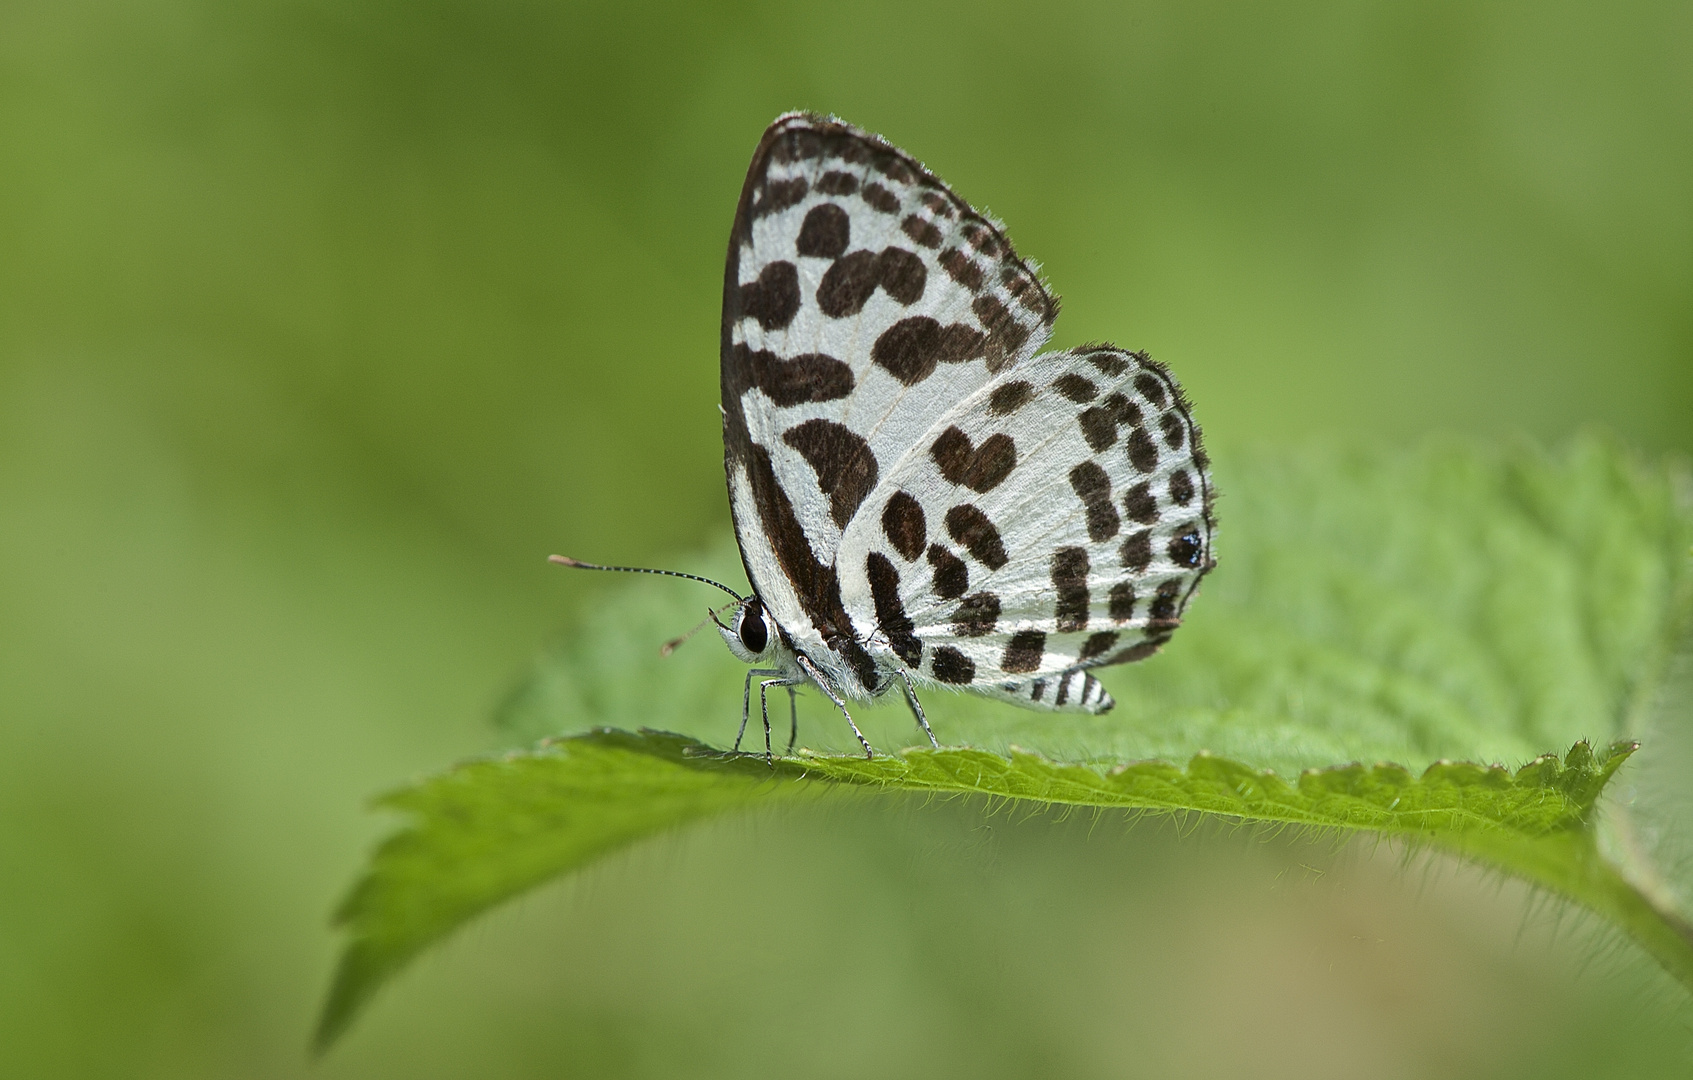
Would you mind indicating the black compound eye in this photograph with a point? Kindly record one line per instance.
(753, 633)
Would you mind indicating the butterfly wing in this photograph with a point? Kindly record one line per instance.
(1057, 520)
(861, 299)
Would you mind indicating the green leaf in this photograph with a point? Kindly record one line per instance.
(1382, 632)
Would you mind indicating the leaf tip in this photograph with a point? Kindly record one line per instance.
(346, 995)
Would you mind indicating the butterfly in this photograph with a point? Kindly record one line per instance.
(921, 497)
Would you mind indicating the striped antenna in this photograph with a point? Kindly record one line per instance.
(565, 560)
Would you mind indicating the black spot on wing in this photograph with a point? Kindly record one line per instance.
(789, 143)
(962, 269)
(1009, 397)
(809, 377)
(977, 615)
(837, 183)
(1164, 603)
(1143, 452)
(1181, 487)
(923, 232)
(777, 195)
(950, 574)
(1139, 652)
(1006, 336)
(1109, 361)
(1093, 486)
(1185, 547)
(951, 666)
(848, 284)
(1076, 388)
(1174, 433)
(1151, 388)
(845, 466)
(1098, 644)
(1100, 422)
(880, 198)
(826, 232)
(1097, 428)
(1023, 652)
(774, 298)
(1136, 552)
(1140, 504)
(902, 274)
(971, 528)
(910, 348)
(894, 165)
(982, 237)
(1022, 286)
(903, 525)
(1122, 602)
(890, 612)
(979, 468)
(852, 279)
(1070, 581)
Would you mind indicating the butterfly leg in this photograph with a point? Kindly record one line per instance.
(746, 702)
(793, 720)
(916, 707)
(817, 677)
(764, 707)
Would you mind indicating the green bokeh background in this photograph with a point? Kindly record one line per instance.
(322, 323)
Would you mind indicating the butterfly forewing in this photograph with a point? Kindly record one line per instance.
(1057, 519)
(862, 299)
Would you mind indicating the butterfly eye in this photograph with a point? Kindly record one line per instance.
(752, 630)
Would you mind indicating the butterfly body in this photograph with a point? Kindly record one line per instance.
(921, 499)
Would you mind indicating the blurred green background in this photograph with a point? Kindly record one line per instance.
(321, 324)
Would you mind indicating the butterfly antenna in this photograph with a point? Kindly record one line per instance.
(677, 642)
(565, 560)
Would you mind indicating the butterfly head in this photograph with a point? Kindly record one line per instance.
(750, 634)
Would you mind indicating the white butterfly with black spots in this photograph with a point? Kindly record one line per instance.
(920, 499)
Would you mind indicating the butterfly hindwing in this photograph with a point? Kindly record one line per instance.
(862, 299)
(1058, 519)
